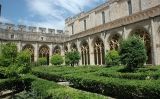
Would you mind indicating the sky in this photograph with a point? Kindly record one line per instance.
(44, 13)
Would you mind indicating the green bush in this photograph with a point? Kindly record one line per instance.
(51, 90)
(23, 61)
(8, 54)
(42, 61)
(133, 52)
(72, 58)
(112, 58)
(57, 59)
(119, 88)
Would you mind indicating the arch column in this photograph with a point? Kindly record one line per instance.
(79, 50)
(153, 32)
(91, 51)
(19, 45)
(50, 53)
(36, 52)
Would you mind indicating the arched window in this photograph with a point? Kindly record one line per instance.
(44, 52)
(147, 40)
(85, 53)
(74, 47)
(57, 50)
(114, 42)
(30, 48)
(99, 51)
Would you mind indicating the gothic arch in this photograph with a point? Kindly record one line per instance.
(57, 50)
(144, 34)
(85, 53)
(65, 49)
(44, 52)
(114, 40)
(98, 47)
(74, 47)
(30, 48)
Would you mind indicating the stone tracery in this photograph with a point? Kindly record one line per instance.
(30, 48)
(44, 52)
(85, 53)
(98, 51)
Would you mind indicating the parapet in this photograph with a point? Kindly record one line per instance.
(28, 29)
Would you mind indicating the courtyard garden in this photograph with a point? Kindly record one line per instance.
(123, 76)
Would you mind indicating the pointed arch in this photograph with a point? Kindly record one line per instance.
(44, 52)
(144, 34)
(74, 47)
(85, 53)
(65, 49)
(30, 48)
(114, 41)
(98, 47)
(57, 50)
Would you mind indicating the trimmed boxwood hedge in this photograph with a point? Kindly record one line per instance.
(51, 90)
(116, 87)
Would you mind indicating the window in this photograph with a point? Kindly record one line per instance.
(103, 18)
(42, 38)
(12, 36)
(72, 28)
(85, 25)
(130, 7)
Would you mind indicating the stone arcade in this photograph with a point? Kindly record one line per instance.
(94, 32)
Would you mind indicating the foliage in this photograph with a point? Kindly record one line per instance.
(8, 54)
(112, 58)
(51, 90)
(13, 63)
(72, 58)
(90, 79)
(42, 61)
(133, 53)
(57, 59)
(23, 61)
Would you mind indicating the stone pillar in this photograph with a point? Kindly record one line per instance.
(19, 46)
(154, 55)
(91, 50)
(36, 52)
(101, 56)
(50, 53)
(79, 50)
(124, 34)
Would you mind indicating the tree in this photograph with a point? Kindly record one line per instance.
(57, 59)
(8, 54)
(112, 58)
(23, 61)
(72, 57)
(133, 52)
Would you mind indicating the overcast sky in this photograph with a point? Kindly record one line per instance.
(44, 13)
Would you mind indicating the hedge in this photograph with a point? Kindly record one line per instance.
(119, 88)
(15, 84)
(51, 90)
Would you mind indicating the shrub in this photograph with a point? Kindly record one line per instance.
(42, 61)
(112, 58)
(132, 52)
(57, 59)
(23, 61)
(72, 57)
(8, 54)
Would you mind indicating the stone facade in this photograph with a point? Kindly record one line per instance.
(95, 32)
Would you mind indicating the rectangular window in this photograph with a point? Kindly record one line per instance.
(130, 7)
(12, 36)
(72, 28)
(85, 25)
(103, 18)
